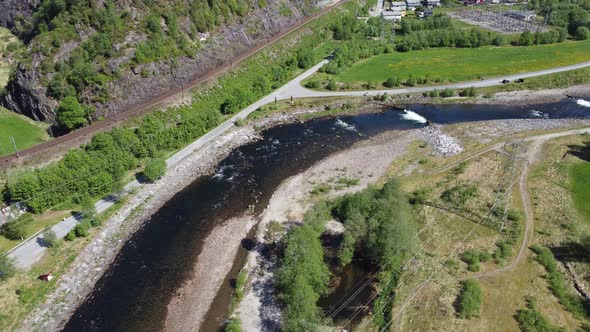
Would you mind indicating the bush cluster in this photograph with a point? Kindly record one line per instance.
(470, 299)
(557, 283)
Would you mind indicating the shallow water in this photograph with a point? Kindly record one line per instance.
(133, 293)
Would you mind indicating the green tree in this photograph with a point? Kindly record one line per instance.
(154, 169)
(7, 269)
(70, 114)
(582, 33)
(16, 230)
(526, 38)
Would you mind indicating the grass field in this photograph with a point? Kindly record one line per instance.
(25, 132)
(463, 64)
(580, 174)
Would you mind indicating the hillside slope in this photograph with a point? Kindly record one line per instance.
(112, 56)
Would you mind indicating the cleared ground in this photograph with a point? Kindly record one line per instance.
(456, 64)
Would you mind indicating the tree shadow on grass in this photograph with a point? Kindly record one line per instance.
(580, 151)
(573, 251)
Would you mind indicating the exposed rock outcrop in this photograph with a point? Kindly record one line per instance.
(26, 97)
(11, 10)
(135, 85)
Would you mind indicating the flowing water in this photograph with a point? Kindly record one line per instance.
(133, 293)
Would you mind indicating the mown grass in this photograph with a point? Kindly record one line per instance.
(580, 175)
(463, 64)
(25, 132)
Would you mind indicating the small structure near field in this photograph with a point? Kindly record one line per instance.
(432, 3)
(501, 21)
(399, 5)
(522, 15)
(46, 277)
(392, 15)
(424, 13)
(413, 4)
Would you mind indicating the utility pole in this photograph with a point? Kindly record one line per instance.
(14, 145)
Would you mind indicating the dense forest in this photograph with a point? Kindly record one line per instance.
(378, 230)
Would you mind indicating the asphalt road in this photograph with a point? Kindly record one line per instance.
(32, 250)
(295, 89)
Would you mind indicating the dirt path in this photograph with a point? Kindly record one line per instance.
(533, 154)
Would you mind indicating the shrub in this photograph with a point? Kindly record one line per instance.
(571, 301)
(391, 82)
(49, 238)
(470, 299)
(503, 251)
(81, 230)
(312, 84)
(70, 236)
(531, 320)
(7, 269)
(469, 92)
(70, 114)
(154, 169)
(582, 33)
(459, 194)
(16, 230)
(332, 86)
(233, 325)
(473, 256)
(240, 122)
(446, 93)
(411, 81)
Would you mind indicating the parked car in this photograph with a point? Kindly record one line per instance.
(505, 81)
(520, 80)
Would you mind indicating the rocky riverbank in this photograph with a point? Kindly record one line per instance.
(77, 283)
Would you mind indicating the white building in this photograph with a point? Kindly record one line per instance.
(392, 15)
(522, 15)
(398, 5)
(413, 4)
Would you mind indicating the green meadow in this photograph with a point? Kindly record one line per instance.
(580, 174)
(464, 64)
(25, 132)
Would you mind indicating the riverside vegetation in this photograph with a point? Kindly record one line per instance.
(101, 166)
(97, 168)
(378, 230)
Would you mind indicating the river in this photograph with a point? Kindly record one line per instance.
(133, 293)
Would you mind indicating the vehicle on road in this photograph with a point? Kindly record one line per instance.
(520, 80)
(505, 81)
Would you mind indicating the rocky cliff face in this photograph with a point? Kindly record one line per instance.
(11, 10)
(133, 83)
